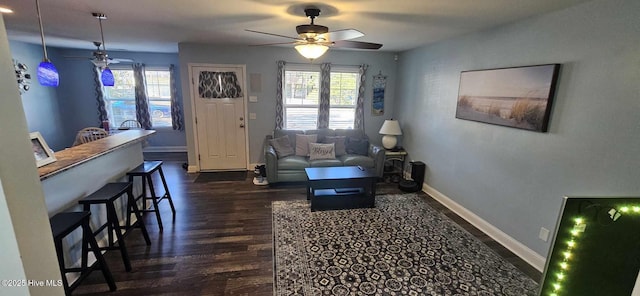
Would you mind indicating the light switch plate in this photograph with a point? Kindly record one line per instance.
(252, 116)
(253, 99)
(544, 234)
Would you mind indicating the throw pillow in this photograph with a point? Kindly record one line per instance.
(302, 144)
(322, 151)
(358, 146)
(340, 144)
(282, 146)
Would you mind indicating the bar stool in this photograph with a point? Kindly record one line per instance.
(107, 195)
(145, 170)
(61, 225)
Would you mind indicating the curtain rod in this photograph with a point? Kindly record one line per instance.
(341, 65)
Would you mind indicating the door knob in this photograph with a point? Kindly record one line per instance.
(242, 125)
(241, 118)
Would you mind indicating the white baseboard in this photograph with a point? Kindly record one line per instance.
(522, 251)
(165, 149)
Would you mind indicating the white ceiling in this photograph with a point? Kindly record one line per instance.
(159, 25)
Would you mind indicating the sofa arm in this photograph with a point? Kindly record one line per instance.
(378, 154)
(271, 159)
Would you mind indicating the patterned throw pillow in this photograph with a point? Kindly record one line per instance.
(322, 151)
(302, 143)
(358, 146)
(282, 146)
(340, 144)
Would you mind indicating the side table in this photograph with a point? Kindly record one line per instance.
(392, 157)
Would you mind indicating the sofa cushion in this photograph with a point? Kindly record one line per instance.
(339, 141)
(350, 133)
(322, 151)
(358, 146)
(290, 133)
(282, 146)
(322, 133)
(354, 160)
(325, 163)
(293, 163)
(302, 144)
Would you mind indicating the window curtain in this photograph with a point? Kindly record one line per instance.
(102, 108)
(177, 117)
(217, 85)
(325, 95)
(358, 122)
(279, 100)
(142, 101)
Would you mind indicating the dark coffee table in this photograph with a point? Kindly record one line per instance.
(336, 188)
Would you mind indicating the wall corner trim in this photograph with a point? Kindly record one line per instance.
(522, 251)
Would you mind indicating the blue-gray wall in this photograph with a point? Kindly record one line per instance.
(41, 104)
(78, 96)
(262, 61)
(58, 113)
(515, 179)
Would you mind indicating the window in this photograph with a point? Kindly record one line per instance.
(121, 103)
(301, 96)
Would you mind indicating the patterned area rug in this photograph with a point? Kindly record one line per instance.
(401, 247)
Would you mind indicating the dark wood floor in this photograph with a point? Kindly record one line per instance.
(220, 242)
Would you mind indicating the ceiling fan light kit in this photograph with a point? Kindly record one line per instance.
(47, 72)
(311, 51)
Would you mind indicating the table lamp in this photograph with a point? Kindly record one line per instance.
(390, 129)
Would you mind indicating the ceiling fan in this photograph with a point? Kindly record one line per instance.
(314, 40)
(99, 57)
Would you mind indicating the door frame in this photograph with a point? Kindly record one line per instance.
(245, 96)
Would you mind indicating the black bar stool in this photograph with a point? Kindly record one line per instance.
(61, 225)
(145, 170)
(107, 195)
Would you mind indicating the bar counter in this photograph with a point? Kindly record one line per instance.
(80, 154)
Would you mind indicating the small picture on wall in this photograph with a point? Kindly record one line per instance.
(517, 97)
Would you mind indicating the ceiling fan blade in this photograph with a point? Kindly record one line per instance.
(76, 57)
(265, 33)
(277, 43)
(119, 60)
(357, 44)
(345, 34)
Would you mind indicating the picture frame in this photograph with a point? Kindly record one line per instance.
(517, 97)
(41, 151)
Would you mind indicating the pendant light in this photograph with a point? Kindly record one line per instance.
(47, 72)
(107, 76)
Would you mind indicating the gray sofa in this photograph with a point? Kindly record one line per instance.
(291, 168)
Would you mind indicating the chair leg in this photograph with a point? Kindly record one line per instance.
(133, 207)
(91, 240)
(166, 190)
(154, 199)
(128, 223)
(113, 221)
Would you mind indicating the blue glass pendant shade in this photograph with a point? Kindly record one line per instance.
(48, 74)
(107, 77)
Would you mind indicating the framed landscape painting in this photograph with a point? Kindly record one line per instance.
(518, 97)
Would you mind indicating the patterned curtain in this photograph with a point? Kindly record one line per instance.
(279, 100)
(102, 108)
(177, 118)
(216, 85)
(142, 101)
(325, 95)
(358, 122)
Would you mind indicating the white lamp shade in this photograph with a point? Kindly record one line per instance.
(390, 127)
(311, 51)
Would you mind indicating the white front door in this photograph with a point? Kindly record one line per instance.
(219, 98)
